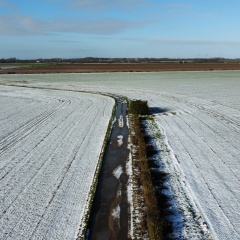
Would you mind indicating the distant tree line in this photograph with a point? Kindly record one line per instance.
(120, 60)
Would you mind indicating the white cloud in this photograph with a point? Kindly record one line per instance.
(26, 25)
(192, 41)
(179, 41)
(103, 26)
(15, 24)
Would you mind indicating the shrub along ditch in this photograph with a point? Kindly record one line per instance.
(155, 218)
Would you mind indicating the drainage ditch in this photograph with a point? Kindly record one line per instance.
(109, 218)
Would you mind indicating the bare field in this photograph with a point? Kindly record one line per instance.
(117, 67)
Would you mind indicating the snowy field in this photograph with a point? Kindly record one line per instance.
(200, 115)
(50, 142)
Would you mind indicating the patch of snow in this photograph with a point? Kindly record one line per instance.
(116, 212)
(119, 192)
(130, 191)
(120, 121)
(184, 214)
(114, 120)
(120, 140)
(118, 172)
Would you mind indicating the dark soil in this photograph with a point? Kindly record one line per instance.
(121, 67)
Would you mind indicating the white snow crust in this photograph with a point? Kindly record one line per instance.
(129, 171)
(199, 114)
(50, 143)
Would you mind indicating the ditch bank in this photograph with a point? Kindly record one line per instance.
(109, 217)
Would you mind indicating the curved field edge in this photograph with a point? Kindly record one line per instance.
(202, 127)
(178, 203)
(83, 232)
(178, 223)
(45, 120)
(163, 207)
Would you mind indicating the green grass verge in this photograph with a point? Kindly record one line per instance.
(33, 64)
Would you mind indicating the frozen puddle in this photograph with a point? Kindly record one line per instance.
(120, 140)
(116, 212)
(120, 121)
(118, 172)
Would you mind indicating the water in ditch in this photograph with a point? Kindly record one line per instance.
(109, 218)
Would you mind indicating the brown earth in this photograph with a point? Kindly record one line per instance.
(121, 67)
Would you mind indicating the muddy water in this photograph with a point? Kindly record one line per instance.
(110, 212)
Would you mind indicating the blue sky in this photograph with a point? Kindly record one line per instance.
(113, 28)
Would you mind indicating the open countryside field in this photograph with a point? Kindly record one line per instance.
(197, 112)
(50, 143)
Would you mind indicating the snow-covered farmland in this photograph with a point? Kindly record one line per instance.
(200, 114)
(50, 143)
